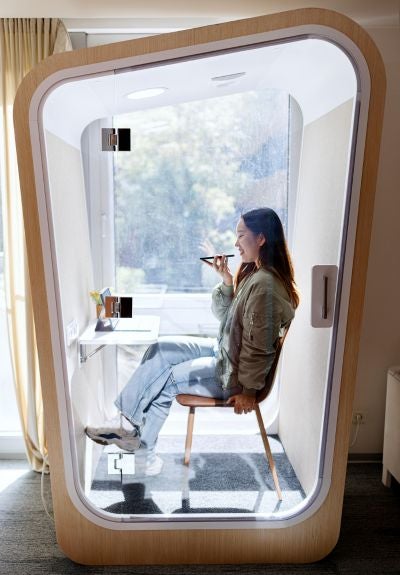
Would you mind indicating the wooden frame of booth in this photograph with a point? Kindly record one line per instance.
(89, 543)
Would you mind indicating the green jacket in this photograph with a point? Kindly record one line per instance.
(251, 321)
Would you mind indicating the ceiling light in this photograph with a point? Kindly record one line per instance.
(228, 77)
(149, 93)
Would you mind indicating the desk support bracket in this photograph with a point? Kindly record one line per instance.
(83, 356)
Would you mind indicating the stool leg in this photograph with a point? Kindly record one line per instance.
(189, 435)
(268, 451)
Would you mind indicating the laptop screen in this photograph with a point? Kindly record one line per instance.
(103, 294)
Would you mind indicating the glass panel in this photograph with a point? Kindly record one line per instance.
(234, 157)
(222, 134)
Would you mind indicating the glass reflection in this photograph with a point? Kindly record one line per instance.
(141, 220)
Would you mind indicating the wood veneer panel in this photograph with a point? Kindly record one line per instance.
(308, 541)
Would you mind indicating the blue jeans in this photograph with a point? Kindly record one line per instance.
(173, 365)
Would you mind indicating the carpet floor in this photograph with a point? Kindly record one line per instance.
(369, 543)
(228, 474)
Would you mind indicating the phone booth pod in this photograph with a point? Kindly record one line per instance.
(307, 534)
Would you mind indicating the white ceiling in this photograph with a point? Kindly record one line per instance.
(366, 12)
(316, 73)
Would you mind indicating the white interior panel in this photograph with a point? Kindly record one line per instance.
(317, 231)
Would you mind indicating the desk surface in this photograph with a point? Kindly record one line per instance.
(146, 333)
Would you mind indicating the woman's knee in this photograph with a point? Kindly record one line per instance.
(164, 347)
(151, 351)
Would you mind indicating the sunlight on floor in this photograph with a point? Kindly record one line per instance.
(225, 475)
(9, 476)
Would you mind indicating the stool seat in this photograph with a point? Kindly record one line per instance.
(200, 401)
(194, 401)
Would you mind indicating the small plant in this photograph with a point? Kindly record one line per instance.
(95, 295)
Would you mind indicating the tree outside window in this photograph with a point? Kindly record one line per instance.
(193, 169)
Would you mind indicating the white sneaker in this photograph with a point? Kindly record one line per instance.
(147, 465)
(122, 438)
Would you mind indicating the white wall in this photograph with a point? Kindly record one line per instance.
(76, 279)
(187, 13)
(316, 240)
(380, 333)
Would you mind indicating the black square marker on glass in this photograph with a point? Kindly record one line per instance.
(113, 140)
(124, 139)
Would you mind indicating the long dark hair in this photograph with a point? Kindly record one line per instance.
(274, 254)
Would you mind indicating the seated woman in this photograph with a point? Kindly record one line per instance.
(252, 308)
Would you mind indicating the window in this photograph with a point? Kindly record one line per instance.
(193, 169)
(9, 419)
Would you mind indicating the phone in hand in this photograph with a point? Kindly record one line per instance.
(207, 258)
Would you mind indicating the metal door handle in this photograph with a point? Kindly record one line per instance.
(323, 293)
(325, 304)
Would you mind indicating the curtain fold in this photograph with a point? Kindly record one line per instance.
(24, 42)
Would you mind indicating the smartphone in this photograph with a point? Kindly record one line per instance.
(205, 259)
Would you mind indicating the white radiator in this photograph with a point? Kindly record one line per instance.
(391, 445)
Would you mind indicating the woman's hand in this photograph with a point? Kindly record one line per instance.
(242, 403)
(220, 264)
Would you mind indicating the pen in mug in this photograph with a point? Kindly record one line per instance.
(212, 257)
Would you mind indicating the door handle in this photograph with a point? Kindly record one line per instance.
(323, 295)
(325, 304)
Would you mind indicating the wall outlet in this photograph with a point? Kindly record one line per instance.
(71, 332)
(359, 417)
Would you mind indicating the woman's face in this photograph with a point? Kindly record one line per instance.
(247, 242)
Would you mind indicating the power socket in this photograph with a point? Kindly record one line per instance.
(71, 332)
(359, 417)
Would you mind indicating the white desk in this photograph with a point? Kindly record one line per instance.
(145, 332)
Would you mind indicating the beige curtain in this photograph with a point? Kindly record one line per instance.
(23, 43)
